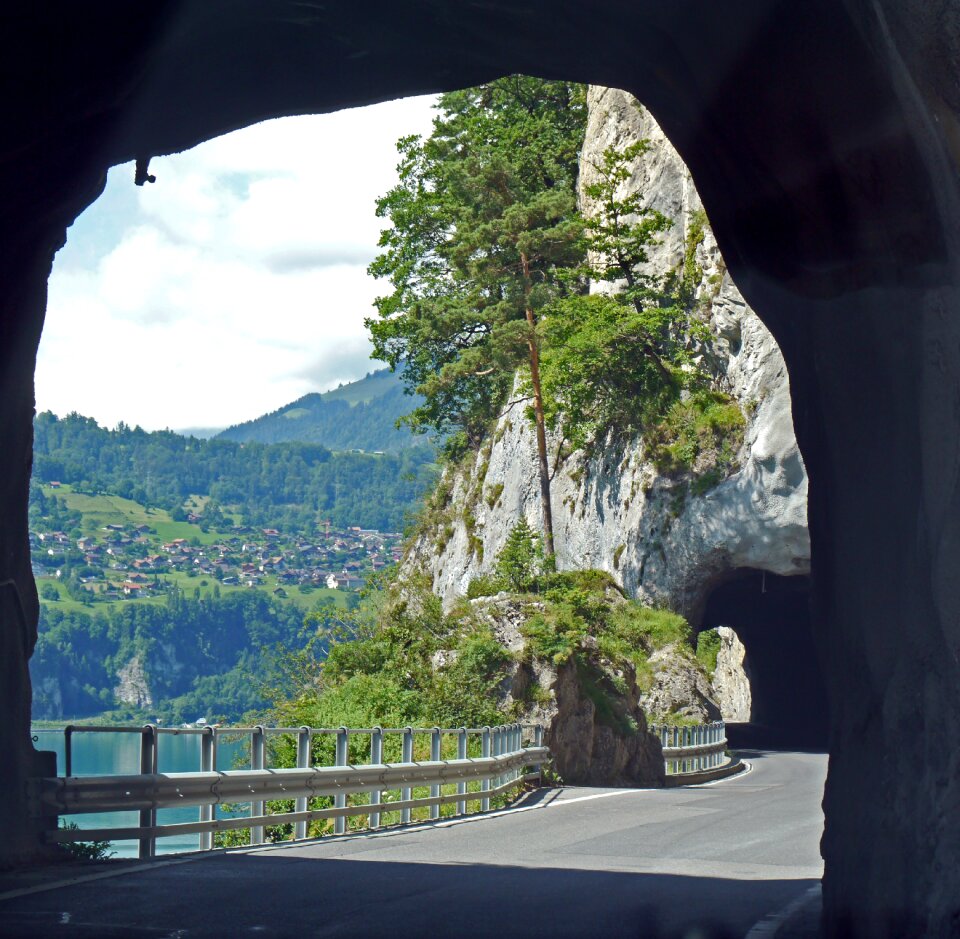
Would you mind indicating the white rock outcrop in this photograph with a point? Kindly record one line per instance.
(614, 511)
(731, 682)
(133, 688)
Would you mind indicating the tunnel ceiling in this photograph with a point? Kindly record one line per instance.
(779, 157)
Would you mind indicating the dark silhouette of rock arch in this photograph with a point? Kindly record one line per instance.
(824, 139)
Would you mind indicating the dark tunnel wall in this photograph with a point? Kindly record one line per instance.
(772, 617)
(824, 139)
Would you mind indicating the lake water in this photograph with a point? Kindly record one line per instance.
(101, 754)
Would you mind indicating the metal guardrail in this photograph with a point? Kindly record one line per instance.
(692, 749)
(501, 756)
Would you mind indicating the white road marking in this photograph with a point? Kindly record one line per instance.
(769, 926)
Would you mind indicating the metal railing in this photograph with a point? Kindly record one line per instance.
(692, 749)
(482, 763)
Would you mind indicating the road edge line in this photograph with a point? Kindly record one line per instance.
(772, 923)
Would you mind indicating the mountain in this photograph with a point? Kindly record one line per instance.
(361, 415)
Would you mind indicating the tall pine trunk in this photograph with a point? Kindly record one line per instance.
(539, 421)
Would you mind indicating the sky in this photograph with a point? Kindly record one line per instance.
(234, 284)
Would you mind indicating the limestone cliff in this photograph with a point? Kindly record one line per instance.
(664, 541)
(132, 688)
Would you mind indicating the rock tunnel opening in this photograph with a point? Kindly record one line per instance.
(771, 616)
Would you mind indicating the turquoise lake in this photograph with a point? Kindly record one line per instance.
(102, 754)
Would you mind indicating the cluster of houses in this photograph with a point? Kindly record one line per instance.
(130, 561)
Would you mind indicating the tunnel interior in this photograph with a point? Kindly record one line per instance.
(771, 615)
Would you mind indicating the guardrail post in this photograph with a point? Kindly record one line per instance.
(258, 750)
(485, 782)
(303, 762)
(208, 762)
(461, 755)
(148, 766)
(435, 757)
(538, 742)
(68, 750)
(406, 756)
(376, 756)
(340, 800)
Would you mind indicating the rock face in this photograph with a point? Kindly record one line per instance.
(132, 688)
(731, 682)
(679, 687)
(596, 731)
(613, 510)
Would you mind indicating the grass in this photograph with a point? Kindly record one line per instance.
(187, 583)
(708, 647)
(701, 435)
(101, 510)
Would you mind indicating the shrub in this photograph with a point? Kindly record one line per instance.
(700, 434)
(647, 627)
(483, 586)
(86, 850)
(708, 647)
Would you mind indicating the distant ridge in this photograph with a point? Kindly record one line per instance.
(360, 415)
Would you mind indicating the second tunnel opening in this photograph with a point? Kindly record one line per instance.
(771, 616)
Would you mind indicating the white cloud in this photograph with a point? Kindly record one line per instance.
(234, 284)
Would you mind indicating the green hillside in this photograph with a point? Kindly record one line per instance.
(373, 385)
(361, 415)
(293, 486)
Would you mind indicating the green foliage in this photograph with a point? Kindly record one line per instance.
(85, 850)
(399, 661)
(578, 604)
(708, 647)
(619, 360)
(483, 586)
(288, 486)
(520, 562)
(493, 496)
(649, 628)
(603, 690)
(483, 223)
(49, 592)
(201, 656)
(701, 435)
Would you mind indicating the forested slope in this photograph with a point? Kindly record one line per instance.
(361, 415)
(267, 485)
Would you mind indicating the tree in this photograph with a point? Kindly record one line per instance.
(520, 561)
(621, 356)
(484, 226)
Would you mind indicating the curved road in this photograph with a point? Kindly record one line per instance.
(659, 864)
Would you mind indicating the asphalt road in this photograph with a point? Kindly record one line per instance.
(695, 863)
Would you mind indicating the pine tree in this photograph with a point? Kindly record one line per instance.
(520, 561)
(484, 227)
